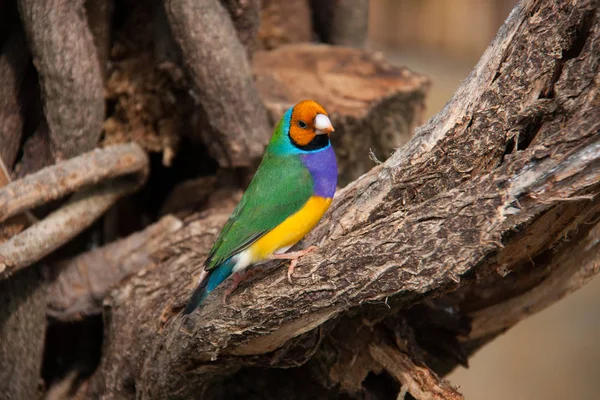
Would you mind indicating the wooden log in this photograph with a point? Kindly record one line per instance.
(80, 284)
(127, 165)
(99, 16)
(235, 126)
(374, 106)
(245, 15)
(14, 63)
(22, 332)
(37, 151)
(342, 22)
(71, 86)
(22, 320)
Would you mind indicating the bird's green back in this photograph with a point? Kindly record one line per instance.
(280, 187)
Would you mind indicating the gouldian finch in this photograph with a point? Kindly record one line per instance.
(288, 195)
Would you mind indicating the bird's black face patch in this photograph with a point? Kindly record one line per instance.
(318, 142)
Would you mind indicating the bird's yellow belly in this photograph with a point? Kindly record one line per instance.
(291, 230)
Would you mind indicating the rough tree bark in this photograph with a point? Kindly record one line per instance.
(22, 333)
(128, 163)
(22, 320)
(99, 14)
(234, 124)
(22, 300)
(71, 86)
(471, 216)
(79, 285)
(245, 15)
(14, 62)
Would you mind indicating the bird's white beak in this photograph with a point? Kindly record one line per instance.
(322, 124)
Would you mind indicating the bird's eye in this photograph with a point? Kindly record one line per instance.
(302, 124)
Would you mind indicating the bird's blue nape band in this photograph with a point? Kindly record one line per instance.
(219, 274)
(282, 145)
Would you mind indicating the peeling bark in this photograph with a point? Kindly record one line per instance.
(420, 382)
(458, 208)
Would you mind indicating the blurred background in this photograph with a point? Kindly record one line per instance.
(553, 354)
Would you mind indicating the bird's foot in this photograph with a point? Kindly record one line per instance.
(294, 256)
(238, 278)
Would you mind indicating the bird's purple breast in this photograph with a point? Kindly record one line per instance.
(323, 169)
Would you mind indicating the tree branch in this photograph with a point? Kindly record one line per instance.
(59, 180)
(245, 15)
(22, 319)
(79, 212)
(235, 127)
(71, 86)
(80, 284)
(417, 381)
(22, 333)
(518, 140)
(14, 61)
(559, 271)
(99, 15)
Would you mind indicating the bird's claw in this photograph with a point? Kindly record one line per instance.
(238, 278)
(291, 267)
(293, 257)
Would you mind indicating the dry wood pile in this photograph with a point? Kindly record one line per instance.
(128, 131)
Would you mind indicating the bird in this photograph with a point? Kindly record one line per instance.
(291, 190)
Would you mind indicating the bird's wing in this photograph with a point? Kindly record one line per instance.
(280, 187)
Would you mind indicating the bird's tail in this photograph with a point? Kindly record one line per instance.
(209, 281)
